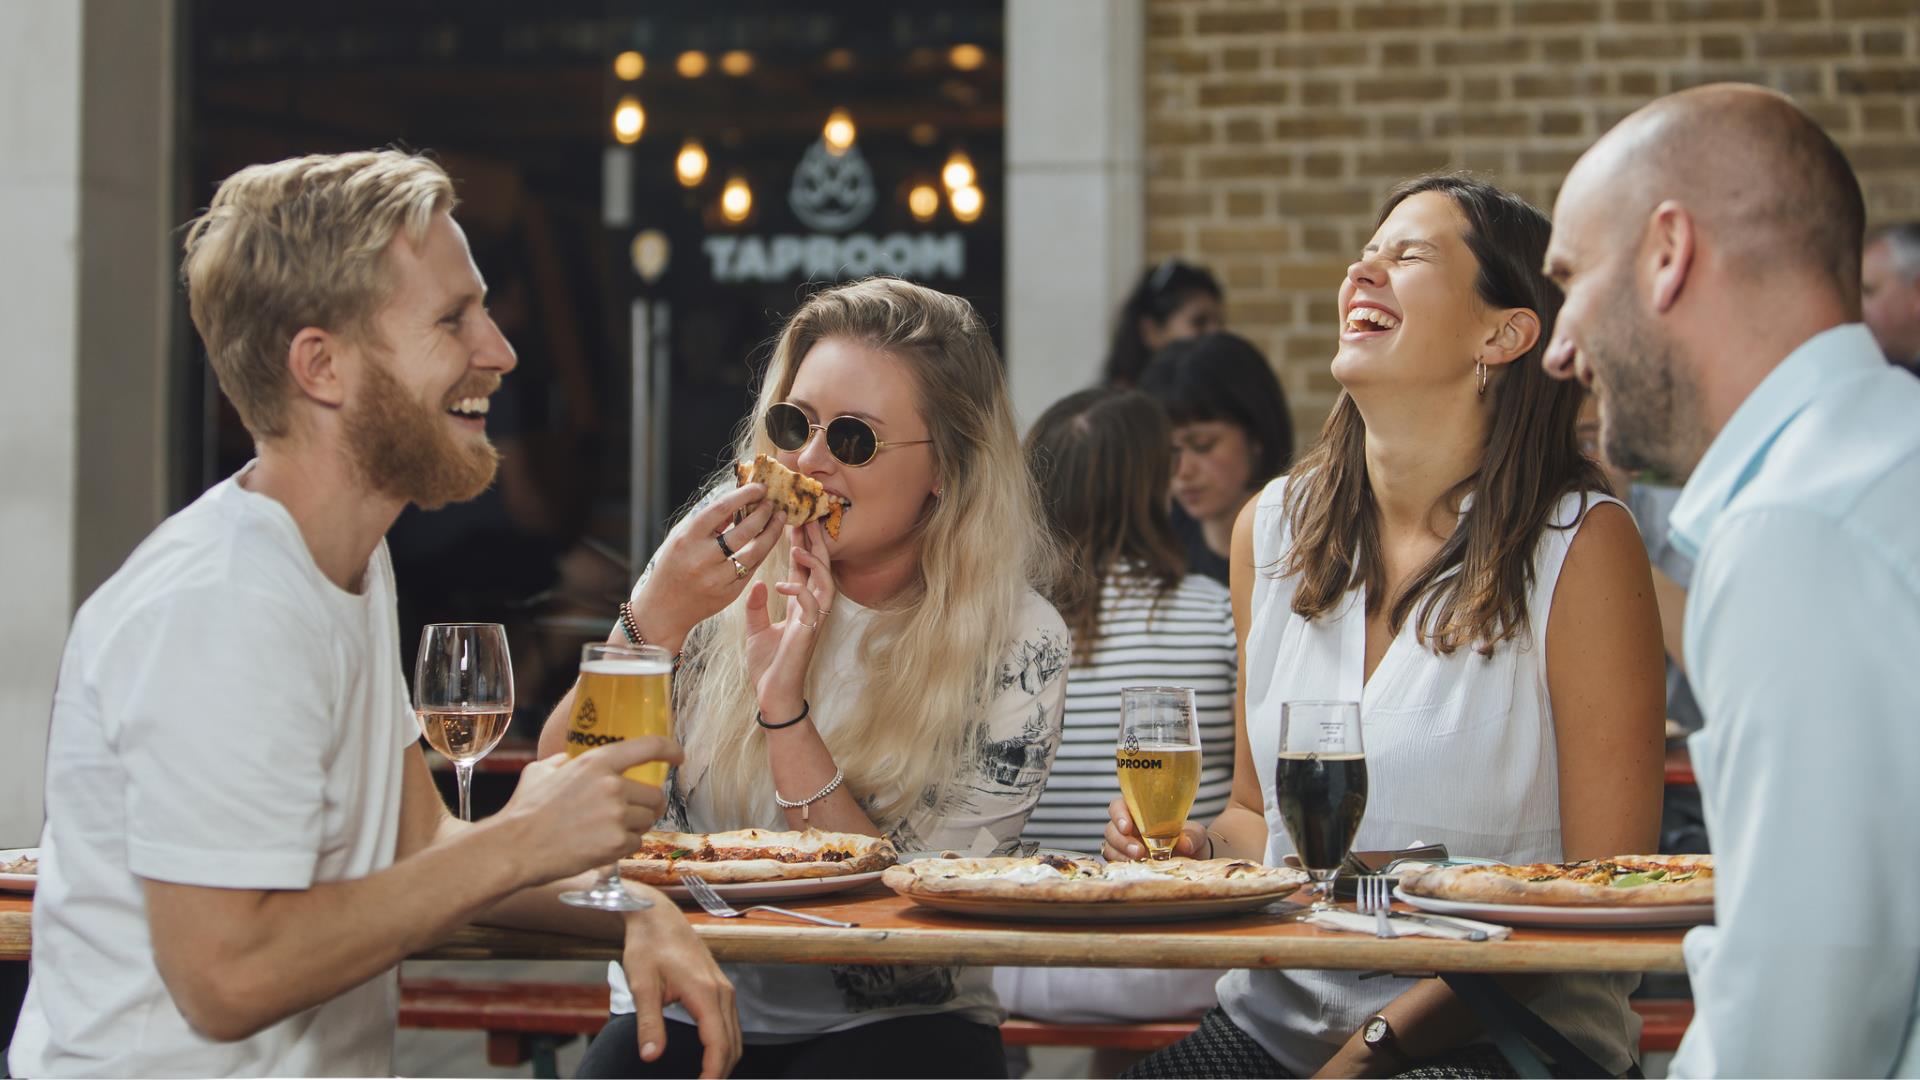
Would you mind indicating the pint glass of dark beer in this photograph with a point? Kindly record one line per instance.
(1320, 785)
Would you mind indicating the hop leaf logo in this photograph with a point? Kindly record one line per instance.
(587, 716)
(832, 192)
(1130, 744)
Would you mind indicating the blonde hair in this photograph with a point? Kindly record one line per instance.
(293, 244)
(932, 653)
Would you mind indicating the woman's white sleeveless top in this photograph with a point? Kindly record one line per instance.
(1460, 750)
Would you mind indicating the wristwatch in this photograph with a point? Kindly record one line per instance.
(1379, 1037)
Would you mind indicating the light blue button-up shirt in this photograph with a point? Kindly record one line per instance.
(1803, 642)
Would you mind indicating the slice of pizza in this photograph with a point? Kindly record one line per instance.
(1086, 880)
(1620, 881)
(748, 855)
(802, 498)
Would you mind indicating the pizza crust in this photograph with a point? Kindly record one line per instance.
(1057, 878)
(1498, 885)
(801, 498)
(855, 854)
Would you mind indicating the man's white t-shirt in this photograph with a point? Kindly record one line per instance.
(225, 716)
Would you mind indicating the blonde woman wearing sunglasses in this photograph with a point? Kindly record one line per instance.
(903, 680)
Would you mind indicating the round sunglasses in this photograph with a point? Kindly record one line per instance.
(850, 439)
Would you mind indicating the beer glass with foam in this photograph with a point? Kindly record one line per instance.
(1320, 786)
(625, 692)
(1158, 760)
(463, 695)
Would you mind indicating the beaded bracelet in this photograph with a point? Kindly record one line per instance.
(805, 805)
(632, 631)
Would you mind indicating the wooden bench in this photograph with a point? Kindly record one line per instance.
(528, 1022)
(1663, 1021)
(523, 1021)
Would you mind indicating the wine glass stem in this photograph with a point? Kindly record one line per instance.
(463, 772)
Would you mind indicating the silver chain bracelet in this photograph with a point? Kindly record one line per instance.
(804, 805)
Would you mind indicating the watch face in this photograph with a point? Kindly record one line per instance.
(1375, 1030)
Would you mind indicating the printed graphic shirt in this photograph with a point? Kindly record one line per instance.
(1012, 752)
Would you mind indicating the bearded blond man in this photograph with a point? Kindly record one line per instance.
(242, 839)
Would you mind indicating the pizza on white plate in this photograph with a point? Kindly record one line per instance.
(25, 864)
(745, 855)
(1620, 881)
(801, 498)
(1088, 880)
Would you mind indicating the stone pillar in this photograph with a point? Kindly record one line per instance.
(85, 207)
(1074, 188)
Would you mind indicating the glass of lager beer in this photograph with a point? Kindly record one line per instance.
(1320, 786)
(463, 695)
(625, 692)
(1158, 760)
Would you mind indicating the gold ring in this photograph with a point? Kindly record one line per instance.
(739, 568)
(808, 625)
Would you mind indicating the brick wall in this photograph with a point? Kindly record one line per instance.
(1274, 127)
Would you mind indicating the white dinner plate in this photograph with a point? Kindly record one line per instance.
(759, 891)
(1566, 918)
(18, 882)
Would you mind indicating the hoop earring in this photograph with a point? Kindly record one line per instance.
(1480, 368)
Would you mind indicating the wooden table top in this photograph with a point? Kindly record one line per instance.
(894, 930)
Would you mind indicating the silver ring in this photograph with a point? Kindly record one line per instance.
(721, 539)
(739, 568)
(808, 625)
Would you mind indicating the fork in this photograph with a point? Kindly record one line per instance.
(1373, 898)
(712, 904)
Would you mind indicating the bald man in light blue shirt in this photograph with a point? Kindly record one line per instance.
(1710, 248)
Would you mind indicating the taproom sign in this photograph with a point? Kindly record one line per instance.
(832, 194)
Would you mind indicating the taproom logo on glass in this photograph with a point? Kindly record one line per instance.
(1130, 744)
(588, 716)
(832, 192)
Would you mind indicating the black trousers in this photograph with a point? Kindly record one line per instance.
(935, 1045)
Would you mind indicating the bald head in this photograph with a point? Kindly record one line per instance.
(1762, 181)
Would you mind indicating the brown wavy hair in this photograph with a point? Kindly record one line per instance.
(1474, 589)
(1103, 459)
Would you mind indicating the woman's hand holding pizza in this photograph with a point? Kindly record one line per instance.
(778, 653)
(705, 562)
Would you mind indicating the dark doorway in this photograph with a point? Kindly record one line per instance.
(602, 259)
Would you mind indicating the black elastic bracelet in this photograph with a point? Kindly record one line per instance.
(805, 708)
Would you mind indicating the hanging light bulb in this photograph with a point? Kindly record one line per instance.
(690, 165)
(967, 203)
(736, 200)
(736, 62)
(838, 133)
(692, 64)
(629, 119)
(923, 201)
(629, 65)
(958, 172)
(967, 57)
